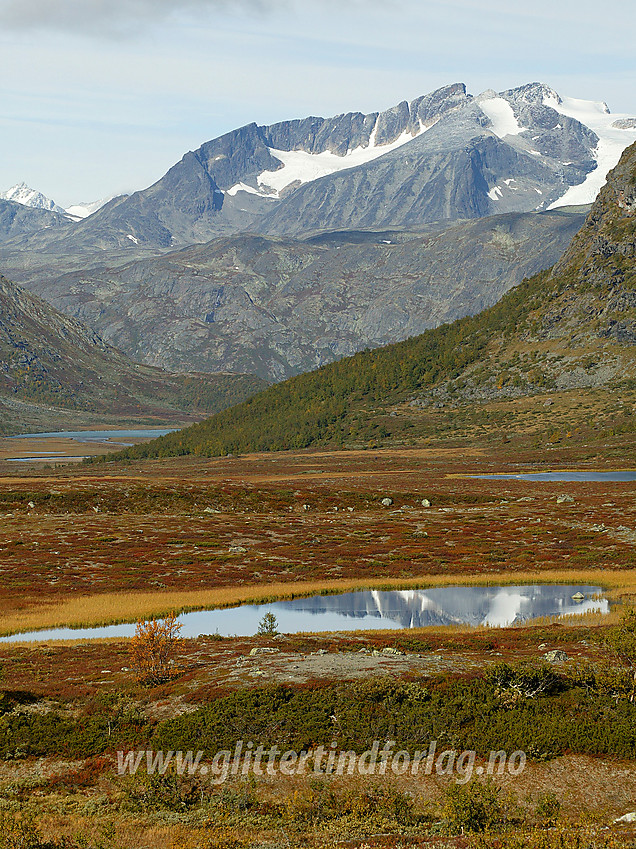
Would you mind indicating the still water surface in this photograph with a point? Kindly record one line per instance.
(492, 606)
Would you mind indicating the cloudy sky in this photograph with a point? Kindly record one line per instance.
(102, 96)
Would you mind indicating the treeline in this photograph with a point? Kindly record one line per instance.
(335, 403)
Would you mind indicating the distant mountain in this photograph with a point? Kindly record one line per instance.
(572, 328)
(82, 210)
(51, 360)
(18, 221)
(21, 193)
(277, 307)
(444, 156)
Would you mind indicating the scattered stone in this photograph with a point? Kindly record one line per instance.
(386, 502)
(391, 650)
(425, 502)
(350, 509)
(627, 817)
(306, 507)
(263, 650)
(211, 510)
(95, 509)
(555, 656)
(31, 505)
(322, 651)
(548, 403)
(237, 549)
(564, 499)
(543, 646)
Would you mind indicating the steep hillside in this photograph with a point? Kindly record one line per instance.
(50, 360)
(278, 307)
(572, 328)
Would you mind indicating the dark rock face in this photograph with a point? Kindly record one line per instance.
(278, 307)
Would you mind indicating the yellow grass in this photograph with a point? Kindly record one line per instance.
(115, 608)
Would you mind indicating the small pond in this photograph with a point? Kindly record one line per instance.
(492, 606)
(571, 477)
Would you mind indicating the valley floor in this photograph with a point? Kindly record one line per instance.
(105, 542)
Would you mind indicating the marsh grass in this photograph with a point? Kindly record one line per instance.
(117, 608)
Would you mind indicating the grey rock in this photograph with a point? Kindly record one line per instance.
(555, 656)
(564, 499)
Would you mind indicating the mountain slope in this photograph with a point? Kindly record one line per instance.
(47, 358)
(444, 156)
(573, 327)
(17, 220)
(277, 307)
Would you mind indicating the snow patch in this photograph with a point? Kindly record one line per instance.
(299, 166)
(501, 116)
(243, 187)
(132, 238)
(612, 142)
(495, 193)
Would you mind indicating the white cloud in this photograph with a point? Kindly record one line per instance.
(110, 17)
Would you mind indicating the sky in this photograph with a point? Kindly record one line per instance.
(101, 97)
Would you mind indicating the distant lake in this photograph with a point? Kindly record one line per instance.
(597, 477)
(492, 606)
(112, 437)
(98, 435)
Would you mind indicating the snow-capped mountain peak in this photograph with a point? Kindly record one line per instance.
(21, 193)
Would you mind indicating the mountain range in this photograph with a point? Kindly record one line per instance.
(273, 250)
(569, 328)
(444, 156)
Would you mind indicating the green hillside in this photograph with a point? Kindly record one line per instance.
(569, 329)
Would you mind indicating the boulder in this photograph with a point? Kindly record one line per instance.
(555, 656)
(425, 502)
(387, 502)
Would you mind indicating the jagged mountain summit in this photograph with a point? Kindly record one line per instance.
(25, 195)
(569, 329)
(444, 156)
